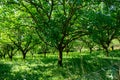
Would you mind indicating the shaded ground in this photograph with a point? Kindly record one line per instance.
(76, 67)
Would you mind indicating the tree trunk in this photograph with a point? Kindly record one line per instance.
(112, 48)
(90, 50)
(107, 52)
(45, 54)
(60, 57)
(4, 55)
(106, 49)
(82, 64)
(80, 49)
(67, 52)
(10, 57)
(24, 55)
(119, 73)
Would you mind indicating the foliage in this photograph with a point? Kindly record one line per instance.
(30, 24)
(102, 23)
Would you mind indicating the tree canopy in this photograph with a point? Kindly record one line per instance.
(57, 23)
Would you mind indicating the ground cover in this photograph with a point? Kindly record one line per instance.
(76, 66)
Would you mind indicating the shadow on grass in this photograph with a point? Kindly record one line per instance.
(47, 69)
(5, 71)
(87, 64)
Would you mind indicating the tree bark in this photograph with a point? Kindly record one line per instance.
(24, 55)
(60, 57)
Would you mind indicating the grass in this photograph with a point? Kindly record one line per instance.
(76, 66)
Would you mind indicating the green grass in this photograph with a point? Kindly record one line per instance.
(76, 66)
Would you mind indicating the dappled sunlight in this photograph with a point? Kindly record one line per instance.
(114, 58)
(79, 67)
(20, 68)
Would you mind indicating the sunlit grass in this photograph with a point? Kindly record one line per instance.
(75, 66)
